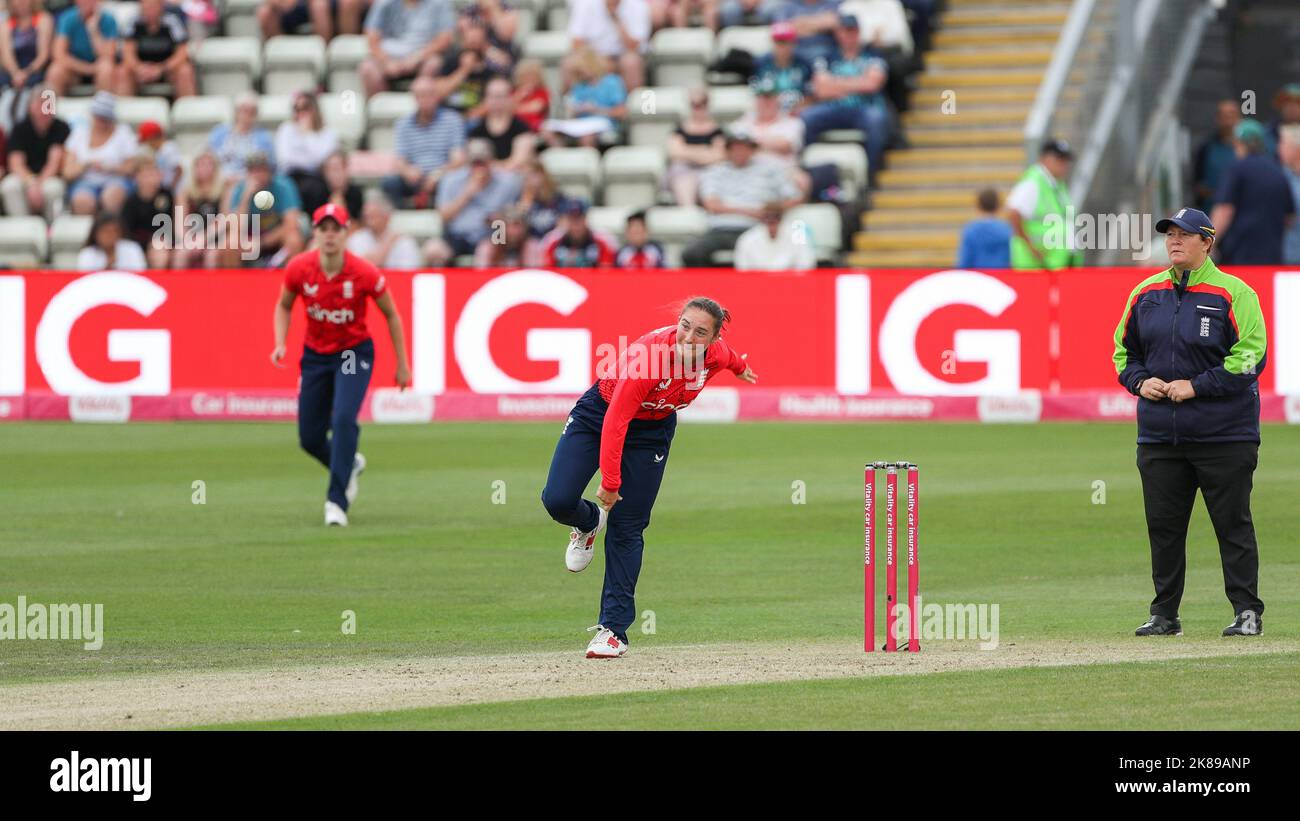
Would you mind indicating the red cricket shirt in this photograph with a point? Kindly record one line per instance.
(336, 306)
(634, 397)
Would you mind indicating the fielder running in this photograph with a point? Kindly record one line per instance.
(338, 354)
(624, 426)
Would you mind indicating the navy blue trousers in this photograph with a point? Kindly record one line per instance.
(329, 400)
(576, 460)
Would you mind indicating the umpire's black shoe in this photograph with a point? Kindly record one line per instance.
(1247, 623)
(1160, 626)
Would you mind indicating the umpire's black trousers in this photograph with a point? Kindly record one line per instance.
(1224, 472)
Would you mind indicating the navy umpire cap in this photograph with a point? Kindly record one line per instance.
(1188, 219)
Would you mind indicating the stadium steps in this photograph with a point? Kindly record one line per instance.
(964, 128)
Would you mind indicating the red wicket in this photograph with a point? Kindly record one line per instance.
(868, 569)
(891, 556)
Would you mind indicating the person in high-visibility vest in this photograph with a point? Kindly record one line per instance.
(1040, 197)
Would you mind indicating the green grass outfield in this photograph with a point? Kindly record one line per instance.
(433, 567)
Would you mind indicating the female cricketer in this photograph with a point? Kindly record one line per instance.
(337, 355)
(624, 426)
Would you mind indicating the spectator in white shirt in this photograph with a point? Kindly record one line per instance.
(768, 247)
(778, 133)
(101, 159)
(376, 242)
(302, 145)
(107, 250)
(619, 30)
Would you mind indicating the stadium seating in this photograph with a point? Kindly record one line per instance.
(576, 171)
(23, 241)
(68, 234)
(729, 103)
(674, 226)
(292, 63)
(822, 221)
(239, 18)
(273, 109)
(383, 111)
(123, 13)
(551, 47)
(194, 117)
(610, 219)
(632, 175)
(421, 225)
(345, 114)
(135, 110)
(653, 113)
(344, 57)
(851, 160)
(680, 55)
(228, 65)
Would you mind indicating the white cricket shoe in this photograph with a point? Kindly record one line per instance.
(335, 515)
(358, 468)
(582, 546)
(605, 645)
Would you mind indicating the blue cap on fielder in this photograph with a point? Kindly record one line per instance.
(1188, 219)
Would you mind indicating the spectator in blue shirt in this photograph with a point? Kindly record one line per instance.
(597, 92)
(279, 228)
(233, 142)
(430, 141)
(1254, 202)
(815, 22)
(848, 91)
(782, 69)
(1215, 155)
(85, 48)
(986, 241)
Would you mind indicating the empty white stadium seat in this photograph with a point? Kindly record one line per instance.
(673, 226)
(680, 55)
(23, 241)
(383, 111)
(346, 115)
(293, 63)
(68, 234)
(653, 112)
(822, 221)
(273, 109)
(123, 13)
(344, 57)
(609, 218)
(575, 170)
(228, 65)
(850, 159)
(842, 135)
(239, 18)
(757, 40)
(729, 103)
(74, 111)
(632, 175)
(135, 110)
(194, 117)
(422, 225)
(551, 47)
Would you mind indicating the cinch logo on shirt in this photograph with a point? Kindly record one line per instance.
(341, 316)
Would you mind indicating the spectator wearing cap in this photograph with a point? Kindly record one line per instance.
(85, 48)
(376, 241)
(1041, 196)
(986, 240)
(467, 198)
(782, 69)
(1190, 345)
(280, 229)
(34, 184)
(26, 42)
(1288, 148)
(203, 195)
(847, 87)
(166, 153)
(155, 51)
(747, 12)
(639, 251)
(108, 249)
(513, 143)
(233, 142)
(1287, 104)
(769, 247)
(101, 159)
(729, 191)
(429, 142)
(1254, 203)
(339, 187)
(302, 145)
(507, 243)
(407, 38)
(470, 65)
(618, 30)
(814, 22)
(150, 199)
(596, 92)
(1215, 154)
(286, 16)
(694, 145)
(575, 244)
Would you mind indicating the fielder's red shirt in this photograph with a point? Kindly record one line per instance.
(336, 306)
(631, 398)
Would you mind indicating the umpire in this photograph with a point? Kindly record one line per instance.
(1191, 344)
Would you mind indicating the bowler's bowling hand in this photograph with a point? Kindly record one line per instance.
(1180, 390)
(1154, 389)
(748, 375)
(607, 497)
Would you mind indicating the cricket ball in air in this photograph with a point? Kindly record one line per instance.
(263, 200)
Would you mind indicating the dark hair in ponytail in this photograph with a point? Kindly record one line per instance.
(721, 316)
